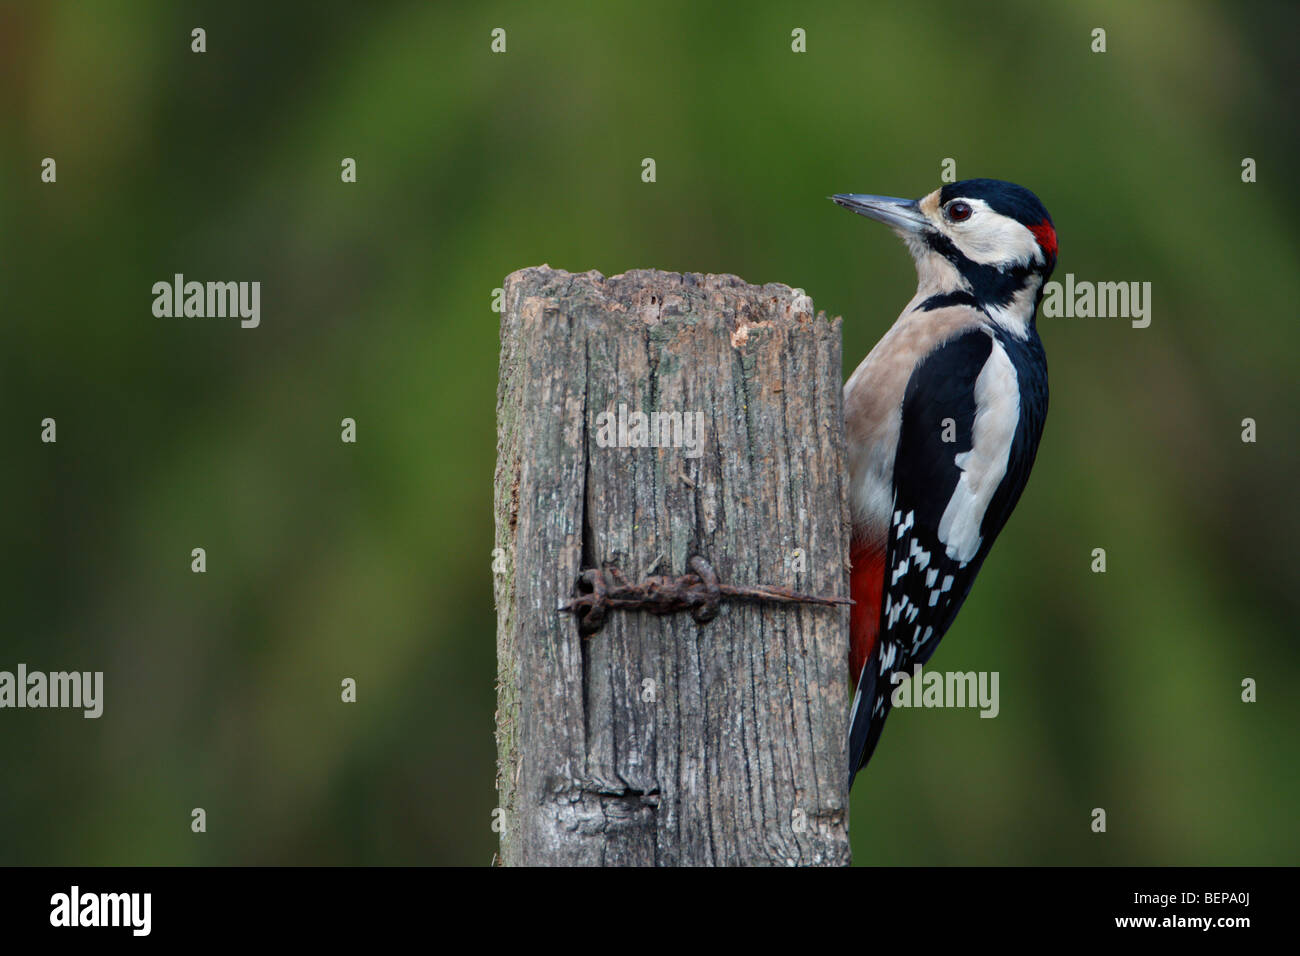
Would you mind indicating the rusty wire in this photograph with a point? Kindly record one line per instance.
(699, 592)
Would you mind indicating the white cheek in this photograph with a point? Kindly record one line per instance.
(992, 239)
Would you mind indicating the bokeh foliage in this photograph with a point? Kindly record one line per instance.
(327, 560)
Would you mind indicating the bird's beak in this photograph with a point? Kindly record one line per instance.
(902, 214)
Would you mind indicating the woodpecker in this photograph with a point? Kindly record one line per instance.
(943, 420)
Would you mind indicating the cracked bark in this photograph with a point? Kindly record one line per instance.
(659, 741)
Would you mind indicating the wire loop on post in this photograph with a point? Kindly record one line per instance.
(699, 592)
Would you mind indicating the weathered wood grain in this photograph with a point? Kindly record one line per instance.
(659, 741)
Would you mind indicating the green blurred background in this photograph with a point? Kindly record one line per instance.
(325, 560)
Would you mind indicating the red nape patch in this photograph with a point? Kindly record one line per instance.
(866, 583)
(1046, 236)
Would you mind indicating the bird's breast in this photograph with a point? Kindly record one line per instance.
(873, 402)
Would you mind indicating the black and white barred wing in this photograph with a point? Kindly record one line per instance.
(965, 447)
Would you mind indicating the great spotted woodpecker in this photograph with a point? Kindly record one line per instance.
(943, 420)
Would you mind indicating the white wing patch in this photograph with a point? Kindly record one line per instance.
(997, 413)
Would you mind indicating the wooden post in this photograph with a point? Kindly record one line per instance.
(657, 740)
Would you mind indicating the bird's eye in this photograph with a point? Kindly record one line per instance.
(958, 211)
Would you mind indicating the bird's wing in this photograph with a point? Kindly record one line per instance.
(960, 466)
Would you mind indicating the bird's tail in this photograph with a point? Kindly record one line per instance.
(870, 708)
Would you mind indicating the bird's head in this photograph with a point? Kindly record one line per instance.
(987, 238)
